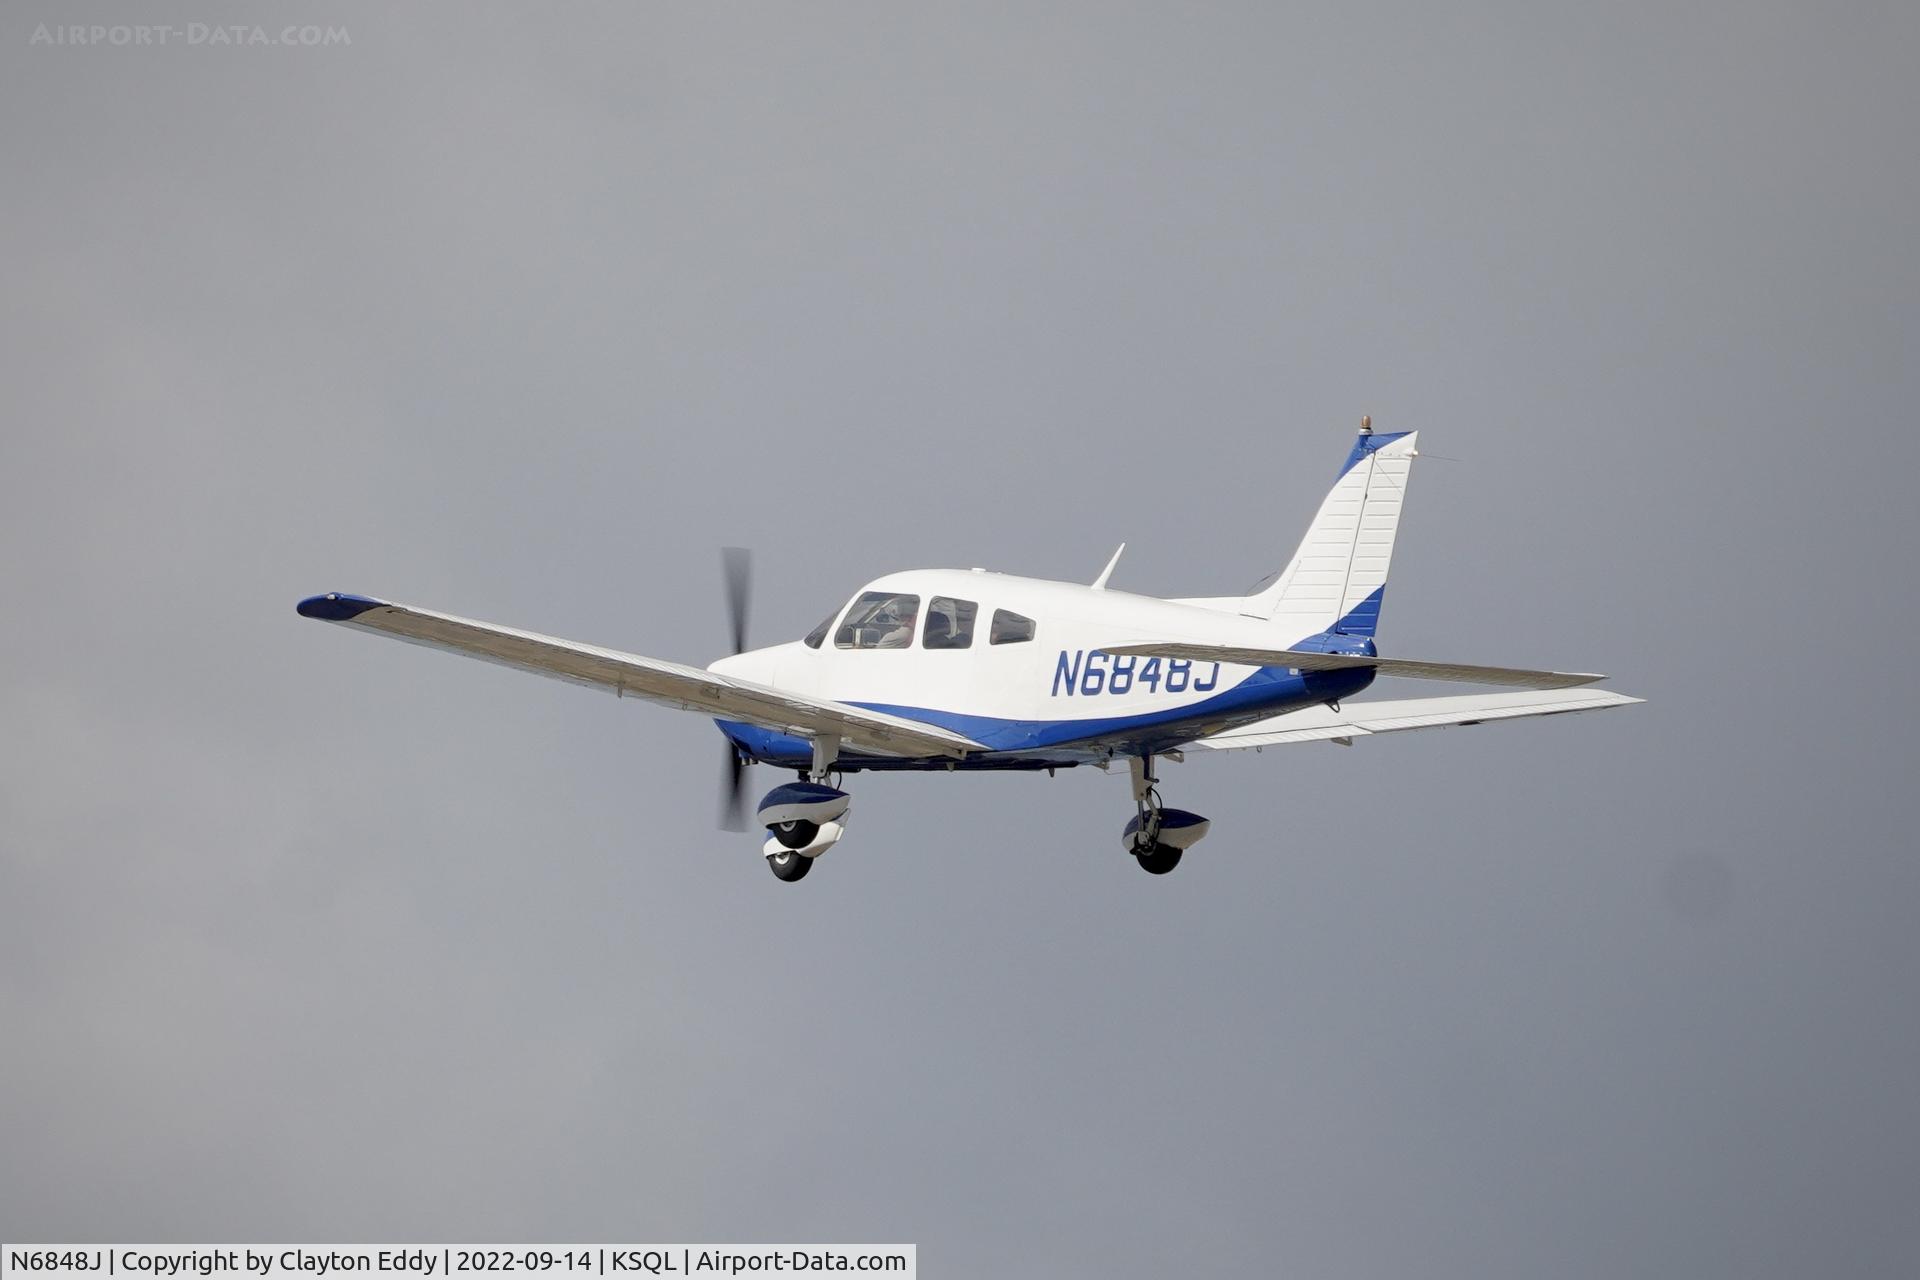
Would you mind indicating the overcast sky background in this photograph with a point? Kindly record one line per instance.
(309, 936)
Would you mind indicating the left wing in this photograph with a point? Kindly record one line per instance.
(630, 675)
(1303, 660)
(1359, 719)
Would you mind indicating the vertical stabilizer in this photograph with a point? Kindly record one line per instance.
(1337, 578)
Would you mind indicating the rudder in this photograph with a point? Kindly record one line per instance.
(1338, 576)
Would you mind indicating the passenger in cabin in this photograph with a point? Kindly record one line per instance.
(949, 623)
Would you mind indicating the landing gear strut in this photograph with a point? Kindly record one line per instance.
(1144, 832)
(1157, 836)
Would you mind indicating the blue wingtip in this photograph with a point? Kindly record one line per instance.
(336, 606)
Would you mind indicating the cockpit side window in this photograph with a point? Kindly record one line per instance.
(1009, 628)
(817, 636)
(879, 620)
(949, 623)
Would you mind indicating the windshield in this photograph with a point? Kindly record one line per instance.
(879, 620)
(816, 636)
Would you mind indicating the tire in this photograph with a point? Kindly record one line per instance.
(797, 834)
(1159, 860)
(789, 866)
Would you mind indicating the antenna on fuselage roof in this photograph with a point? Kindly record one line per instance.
(1100, 583)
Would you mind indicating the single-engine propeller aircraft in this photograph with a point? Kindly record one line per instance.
(947, 669)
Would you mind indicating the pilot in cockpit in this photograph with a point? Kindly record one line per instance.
(893, 625)
(879, 620)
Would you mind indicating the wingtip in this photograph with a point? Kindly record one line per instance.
(336, 606)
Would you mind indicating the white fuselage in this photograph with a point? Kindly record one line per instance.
(1052, 697)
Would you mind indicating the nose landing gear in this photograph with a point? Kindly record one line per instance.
(1156, 836)
(804, 819)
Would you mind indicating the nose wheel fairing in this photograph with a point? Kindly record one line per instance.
(812, 802)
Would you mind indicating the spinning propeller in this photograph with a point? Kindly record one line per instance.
(738, 567)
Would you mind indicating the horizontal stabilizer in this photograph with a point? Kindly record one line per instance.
(1360, 719)
(1300, 660)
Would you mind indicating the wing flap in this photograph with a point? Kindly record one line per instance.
(1360, 719)
(631, 675)
(1413, 669)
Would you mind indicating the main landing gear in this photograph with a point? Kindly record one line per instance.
(1157, 836)
(804, 819)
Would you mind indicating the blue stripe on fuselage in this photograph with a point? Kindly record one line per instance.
(1268, 691)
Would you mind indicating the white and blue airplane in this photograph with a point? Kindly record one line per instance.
(949, 669)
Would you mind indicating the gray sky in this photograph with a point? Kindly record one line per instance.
(304, 935)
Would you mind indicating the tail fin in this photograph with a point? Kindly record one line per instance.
(1337, 578)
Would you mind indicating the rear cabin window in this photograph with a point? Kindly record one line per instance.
(949, 623)
(1009, 628)
(879, 620)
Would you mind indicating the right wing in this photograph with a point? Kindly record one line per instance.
(629, 675)
(1359, 719)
